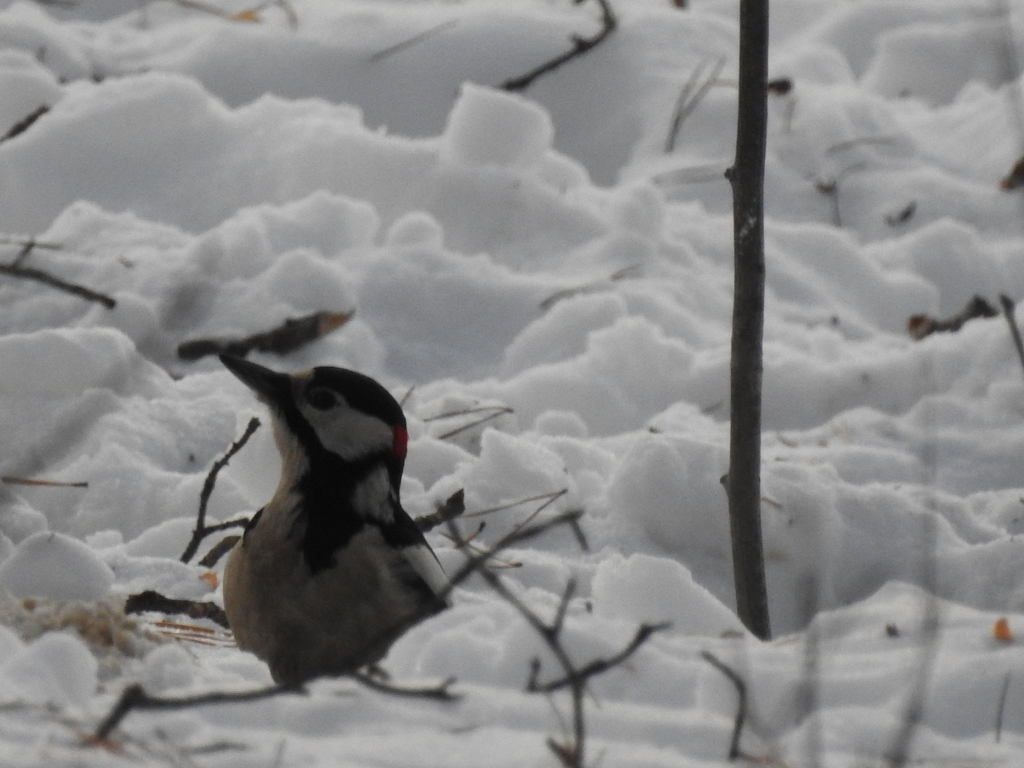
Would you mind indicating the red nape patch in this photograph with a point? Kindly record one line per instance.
(400, 444)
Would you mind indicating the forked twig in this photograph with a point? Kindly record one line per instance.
(690, 98)
(202, 530)
(580, 45)
(574, 678)
(134, 697)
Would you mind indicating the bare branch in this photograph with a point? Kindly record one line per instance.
(201, 531)
(134, 697)
(580, 45)
(30, 273)
(222, 547)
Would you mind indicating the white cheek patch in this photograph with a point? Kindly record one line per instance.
(372, 497)
(349, 433)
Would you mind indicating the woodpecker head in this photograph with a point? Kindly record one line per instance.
(331, 416)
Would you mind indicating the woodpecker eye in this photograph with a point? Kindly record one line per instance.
(321, 398)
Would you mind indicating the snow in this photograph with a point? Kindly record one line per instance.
(550, 295)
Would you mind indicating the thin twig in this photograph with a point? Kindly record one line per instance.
(1008, 313)
(483, 420)
(438, 692)
(597, 666)
(468, 411)
(580, 45)
(533, 515)
(411, 41)
(201, 531)
(575, 679)
(1001, 707)
(46, 483)
(546, 497)
(690, 98)
(741, 705)
(630, 271)
(30, 273)
(134, 697)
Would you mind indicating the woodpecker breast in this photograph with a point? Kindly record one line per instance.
(333, 569)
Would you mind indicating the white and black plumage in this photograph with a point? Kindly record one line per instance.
(332, 570)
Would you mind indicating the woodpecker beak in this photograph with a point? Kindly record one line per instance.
(271, 387)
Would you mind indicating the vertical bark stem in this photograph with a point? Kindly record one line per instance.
(747, 180)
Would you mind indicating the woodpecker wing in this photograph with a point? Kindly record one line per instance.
(423, 560)
(403, 534)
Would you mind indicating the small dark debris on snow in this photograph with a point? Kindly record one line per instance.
(903, 215)
(1015, 178)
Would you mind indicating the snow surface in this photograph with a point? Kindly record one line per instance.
(542, 255)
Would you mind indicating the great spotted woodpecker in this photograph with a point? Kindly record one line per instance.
(332, 570)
